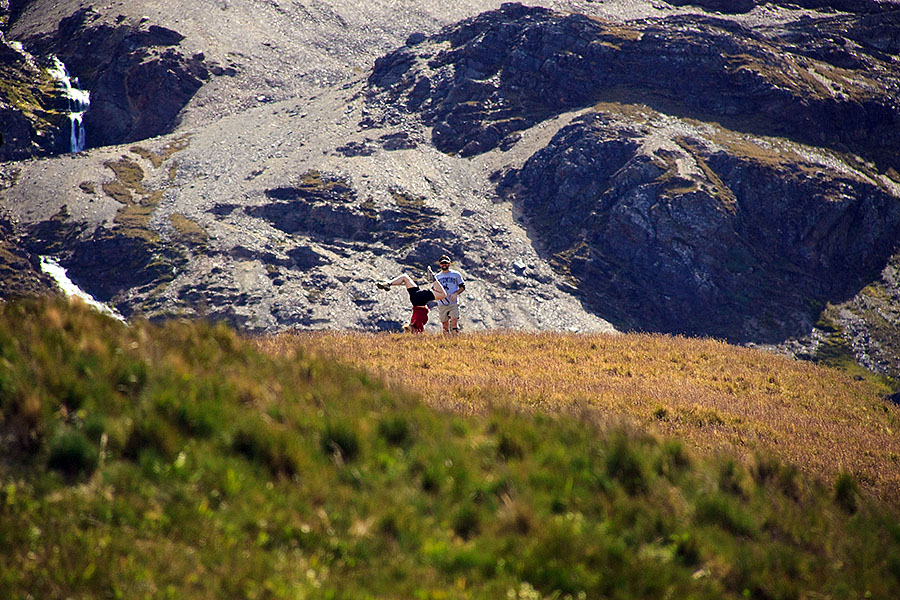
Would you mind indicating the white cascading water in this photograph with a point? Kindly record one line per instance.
(51, 267)
(79, 102)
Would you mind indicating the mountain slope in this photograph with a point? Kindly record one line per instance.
(650, 166)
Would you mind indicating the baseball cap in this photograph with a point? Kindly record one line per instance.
(444, 259)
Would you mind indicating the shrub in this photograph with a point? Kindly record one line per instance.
(94, 427)
(721, 511)
(72, 454)
(768, 469)
(342, 440)
(153, 434)
(509, 448)
(730, 477)
(395, 430)
(845, 492)
(261, 444)
(466, 522)
(686, 548)
(389, 527)
(673, 459)
(431, 480)
(624, 464)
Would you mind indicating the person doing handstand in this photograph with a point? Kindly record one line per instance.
(419, 298)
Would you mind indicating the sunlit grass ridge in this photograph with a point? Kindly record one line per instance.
(714, 396)
(180, 461)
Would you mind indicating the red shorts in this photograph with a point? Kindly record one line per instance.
(419, 318)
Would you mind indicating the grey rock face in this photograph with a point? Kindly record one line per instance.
(503, 71)
(668, 230)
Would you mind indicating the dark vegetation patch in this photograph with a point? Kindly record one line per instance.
(188, 231)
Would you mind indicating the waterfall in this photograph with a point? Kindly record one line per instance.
(52, 268)
(79, 102)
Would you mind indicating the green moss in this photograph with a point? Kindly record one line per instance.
(128, 174)
(19, 96)
(188, 231)
(637, 114)
(133, 218)
(408, 201)
(721, 191)
(133, 221)
(170, 148)
(316, 184)
(562, 261)
(118, 192)
(367, 207)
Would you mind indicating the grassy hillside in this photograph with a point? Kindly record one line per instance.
(713, 396)
(183, 461)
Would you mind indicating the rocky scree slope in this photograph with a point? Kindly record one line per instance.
(661, 168)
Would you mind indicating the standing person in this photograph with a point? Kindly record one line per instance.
(418, 298)
(453, 284)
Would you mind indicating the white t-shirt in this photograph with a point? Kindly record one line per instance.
(451, 280)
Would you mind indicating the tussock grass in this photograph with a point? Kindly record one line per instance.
(180, 461)
(714, 396)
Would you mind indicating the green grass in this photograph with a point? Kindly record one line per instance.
(179, 461)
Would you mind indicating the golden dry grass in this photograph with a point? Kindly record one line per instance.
(714, 396)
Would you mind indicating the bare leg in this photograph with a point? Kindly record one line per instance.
(438, 289)
(403, 279)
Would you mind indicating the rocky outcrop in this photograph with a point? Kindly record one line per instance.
(744, 6)
(744, 226)
(326, 208)
(20, 270)
(138, 78)
(31, 109)
(501, 72)
(106, 262)
(684, 229)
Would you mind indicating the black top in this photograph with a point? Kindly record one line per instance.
(420, 297)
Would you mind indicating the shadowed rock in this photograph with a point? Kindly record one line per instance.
(691, 230)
